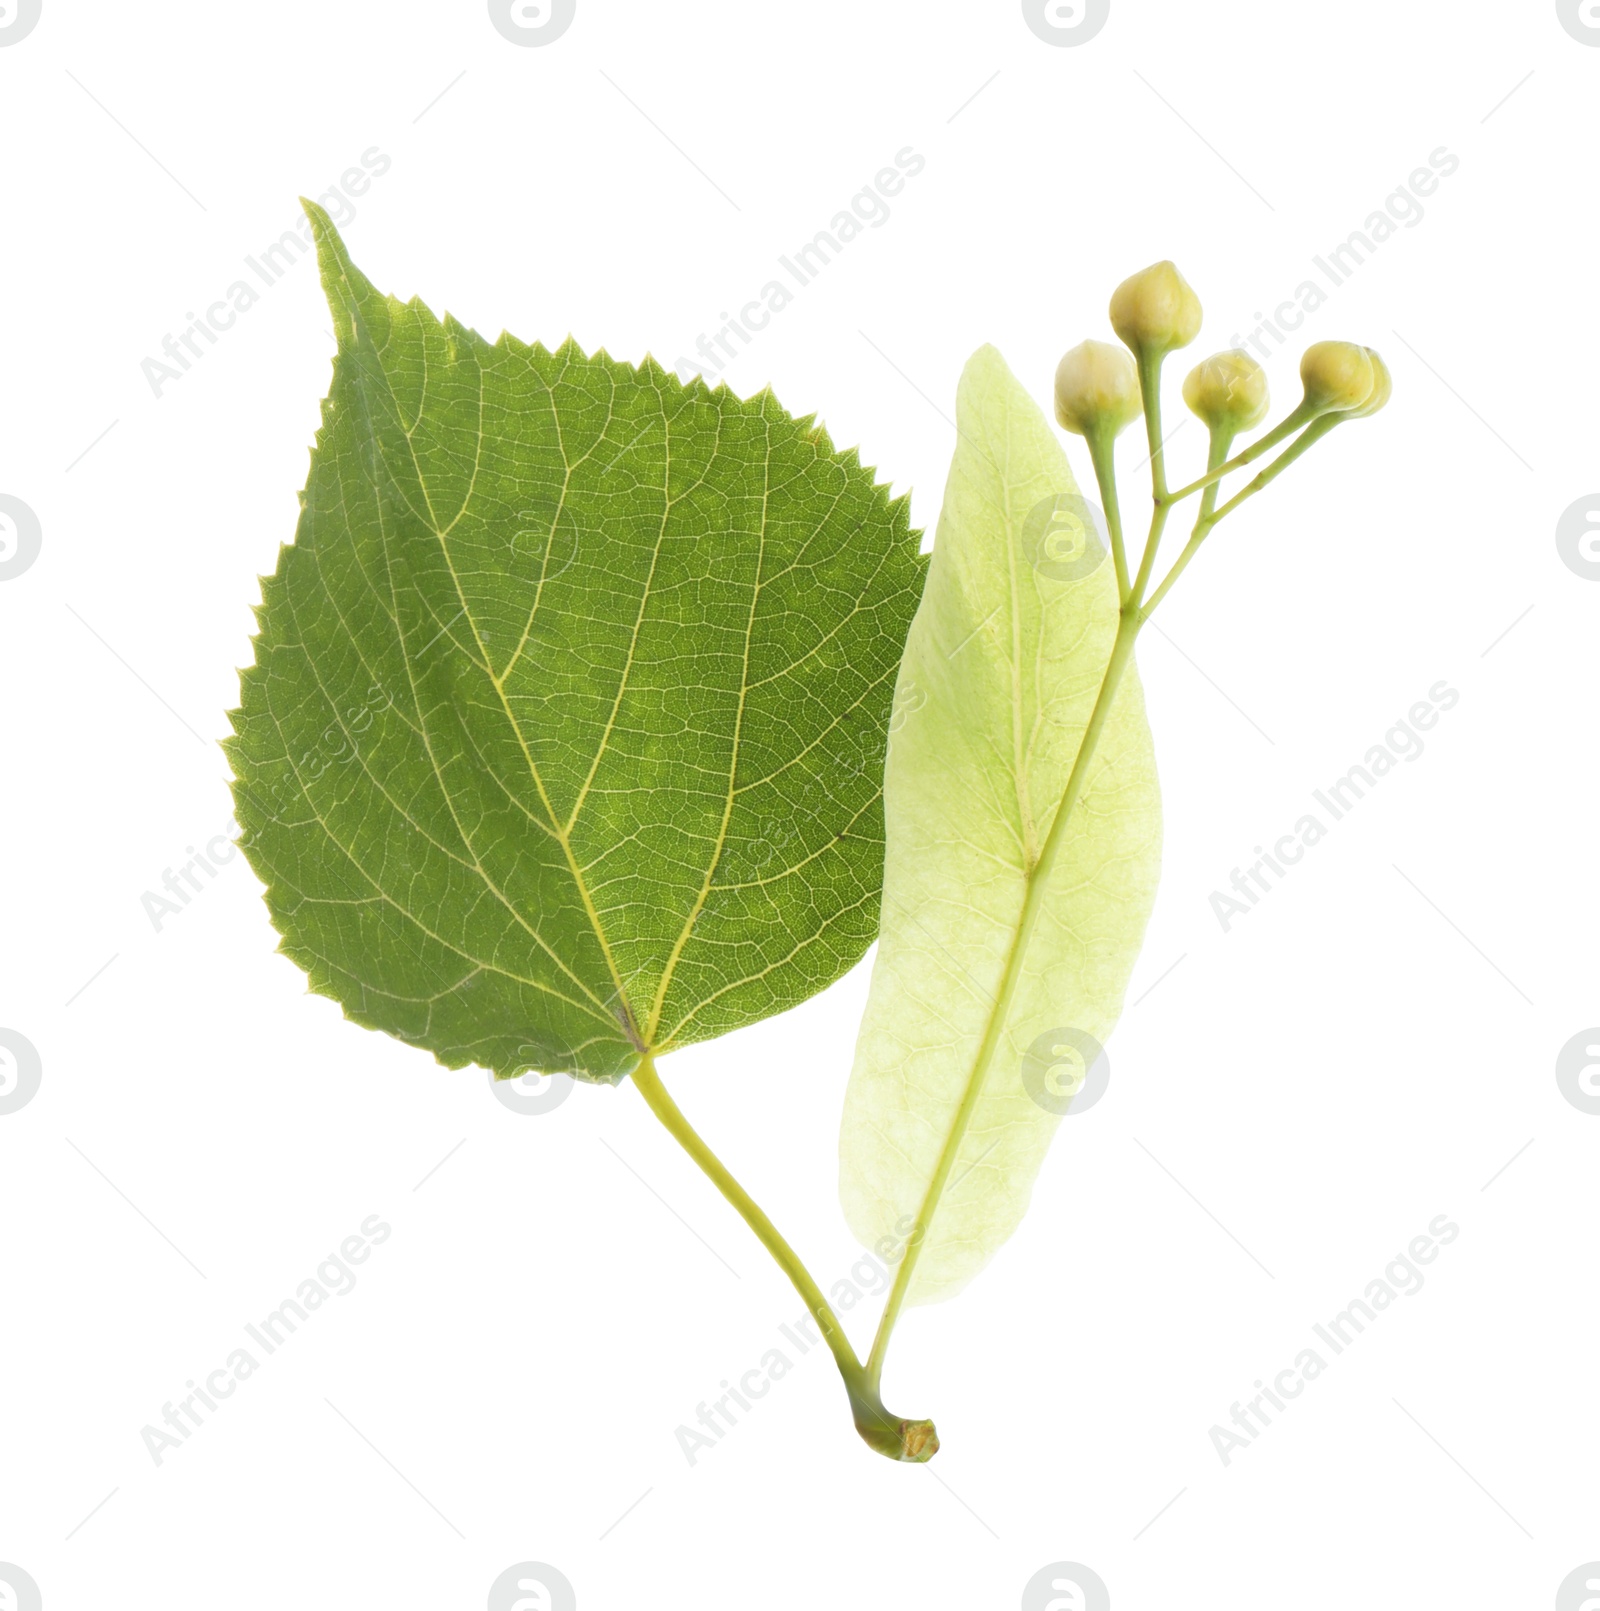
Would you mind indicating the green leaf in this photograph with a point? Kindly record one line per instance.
(564, 738)
(1001, 671)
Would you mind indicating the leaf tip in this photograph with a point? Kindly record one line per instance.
(342, 281)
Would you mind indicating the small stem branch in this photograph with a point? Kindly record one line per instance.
(1102, 454)
(888, 1434)
(1210, 516)
(1121, 652)
(1158, 524)
(1150, 392)
(1313, 433)
(1221, 441)
(1284, 428)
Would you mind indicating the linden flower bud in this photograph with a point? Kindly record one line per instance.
(1228, 392)
(1382, 389)
(1097, 389)
(1155, 311)
(1338, 376)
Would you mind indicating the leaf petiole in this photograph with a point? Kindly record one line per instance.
(891, 1435)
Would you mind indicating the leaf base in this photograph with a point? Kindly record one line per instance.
(915, 1442)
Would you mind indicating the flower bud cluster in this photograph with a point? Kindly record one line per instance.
(1155, 312)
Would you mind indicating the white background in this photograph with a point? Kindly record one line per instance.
(1366, 1050)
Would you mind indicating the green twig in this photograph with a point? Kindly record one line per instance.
(1221, 441)
(1102, 455)
(891, 1435)
(1033, 901)
(1302, 415)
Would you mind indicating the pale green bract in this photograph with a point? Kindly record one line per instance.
(564, 739)
(1001, 670)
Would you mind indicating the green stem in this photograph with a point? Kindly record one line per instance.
(1313, 433)
(1302, 415)
(1221, 441)
(1150, 392)
(1102, 454)
(1158, 524)
(1038, 881)
(1210, 515)
(1132, 616)
(891, 1435)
